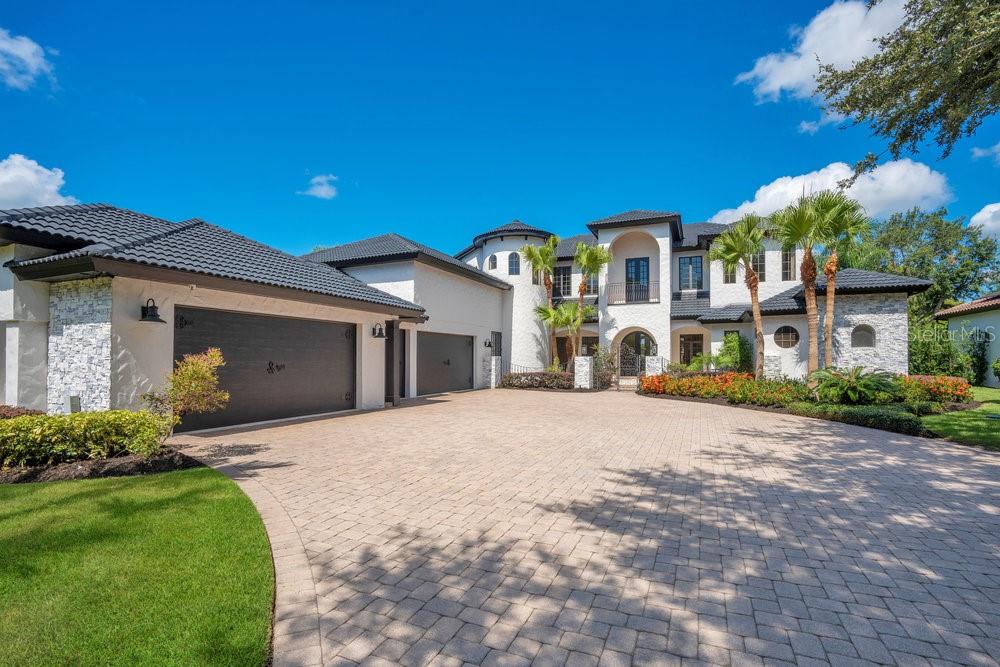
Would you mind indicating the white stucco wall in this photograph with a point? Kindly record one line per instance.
(142, 352)
(724, 293)
(988, 322)
(395, 278)
(24, 316)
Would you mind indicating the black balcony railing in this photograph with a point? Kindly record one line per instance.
(633, 293)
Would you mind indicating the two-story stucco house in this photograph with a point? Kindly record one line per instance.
(97, 303)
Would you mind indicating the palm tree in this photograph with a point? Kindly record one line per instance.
(737, 247)
(591, 259)
(799, 225)
(542, 259)
(844, 221)
(567, 315)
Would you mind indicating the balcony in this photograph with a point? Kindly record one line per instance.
(619, 293)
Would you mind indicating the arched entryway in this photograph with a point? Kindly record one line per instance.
(633, 348)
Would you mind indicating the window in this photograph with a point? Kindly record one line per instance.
(514, 264)
(536, 277)
(493, 261)
(690, 270)
(592, 283)
(863, 336)
(562, 285)
(788, 265)
(786, 336)
(496, 343)
(759, 265)
(728, 275)
(637, 271)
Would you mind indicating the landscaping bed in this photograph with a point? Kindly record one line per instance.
(171, 568)
(121, 466)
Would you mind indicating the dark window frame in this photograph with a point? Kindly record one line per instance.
(728, 275)
(687, 277)
(788, 264)
(786, 337)
(514, 264)
(593, 284)
(562, 277)
(492, 262)
(758, 263)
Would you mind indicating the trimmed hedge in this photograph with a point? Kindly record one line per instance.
(539, 380)
(33, 440)
(897, 418)
(11, 411)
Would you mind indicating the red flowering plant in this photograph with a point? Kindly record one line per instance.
(937, 388)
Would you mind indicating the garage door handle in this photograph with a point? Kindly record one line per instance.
(447, 362)
(348, 396)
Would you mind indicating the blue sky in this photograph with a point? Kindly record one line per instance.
(439, 120)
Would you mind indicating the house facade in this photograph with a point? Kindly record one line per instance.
(98, 302)
(979, 317)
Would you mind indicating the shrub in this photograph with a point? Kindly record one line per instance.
(539, 380)
(735, 387)
(996, 368)
(921, 408)
(32, 440)
(853, 386)
(604, 367)
(977, 346)
(736, 353)
(885, 417)
(934, 352)
(766, 392)
(11, 411)
(192, 387)
(938, 388)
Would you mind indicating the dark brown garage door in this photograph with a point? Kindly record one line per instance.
(275, 366)
(444, 362)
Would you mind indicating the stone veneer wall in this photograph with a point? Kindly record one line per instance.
(80, 344)
(887, 315)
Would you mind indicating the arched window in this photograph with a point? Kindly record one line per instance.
(863, 336)
(514, 264)
(493, 261)
(786, 336)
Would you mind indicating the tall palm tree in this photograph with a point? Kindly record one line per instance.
(844, 221)
(542, 259)
(736, 247)
(799, 225)
(591, 259)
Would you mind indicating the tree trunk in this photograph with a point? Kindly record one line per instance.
(758, 323)
(553, 353)
(830, 269)
(808, 271)
(581, 291)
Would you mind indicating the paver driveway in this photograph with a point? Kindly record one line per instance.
(505, 527)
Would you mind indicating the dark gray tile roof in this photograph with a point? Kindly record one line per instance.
(634, 215)
(567, 246)
(693, 230)
(83, 223)
(849, 281)
(393, 247)
(734, 312)
(689, 306)
(202, 248)
(513, 227)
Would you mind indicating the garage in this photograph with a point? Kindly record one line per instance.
(444, 362)
(276, 367)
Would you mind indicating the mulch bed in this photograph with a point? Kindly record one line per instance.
(121, 466)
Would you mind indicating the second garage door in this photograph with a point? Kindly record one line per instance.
(444, 362)
(276, 367)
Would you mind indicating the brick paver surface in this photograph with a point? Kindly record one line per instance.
(514, 527)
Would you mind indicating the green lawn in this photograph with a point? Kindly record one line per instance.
(973, 427)
(172, 568)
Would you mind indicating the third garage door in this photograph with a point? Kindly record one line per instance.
(444, 362)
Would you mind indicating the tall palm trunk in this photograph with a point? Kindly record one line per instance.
(580, 292)
(830, 269)
(758, 322)
(553, 352)
(808, 270)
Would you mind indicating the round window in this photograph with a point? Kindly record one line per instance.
(786, 336)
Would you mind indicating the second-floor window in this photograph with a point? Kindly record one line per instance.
(690, 272)
(562, 285)
(514, 264)
(728, 275)
(592, 283)
(758, 264)
(493, 261)
(536, 277)
(788, 265)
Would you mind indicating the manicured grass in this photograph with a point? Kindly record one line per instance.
(172, 569)
(973, 427)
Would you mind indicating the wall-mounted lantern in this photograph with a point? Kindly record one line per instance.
(488, 343)
(378, 331)
(150, 313)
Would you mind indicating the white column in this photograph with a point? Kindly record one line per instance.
(583, 373)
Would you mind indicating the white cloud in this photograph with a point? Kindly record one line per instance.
(840, 35)
(321, 187)
(24, 182)
(993, 151)
(893, 186)
(22, 61)
(989, 218)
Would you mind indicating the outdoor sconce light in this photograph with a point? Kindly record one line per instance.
(378, 331)
(150, 313)
(488, 343)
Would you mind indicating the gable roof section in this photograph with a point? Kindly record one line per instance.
(980, 305)
(698, 234)
(71, 226)
(637, 218)
(393, 248)
(193, 246)
(567, 246)
(849, 281)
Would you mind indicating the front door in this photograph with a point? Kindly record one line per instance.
(691, 346)
(632, 352)
(636, 279)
